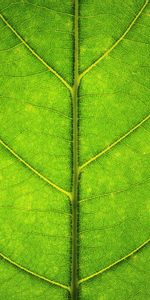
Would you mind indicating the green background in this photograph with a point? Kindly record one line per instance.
(36, 123)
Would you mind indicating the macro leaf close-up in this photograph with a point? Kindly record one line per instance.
(74, 150)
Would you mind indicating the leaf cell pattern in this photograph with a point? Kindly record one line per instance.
(74, 208)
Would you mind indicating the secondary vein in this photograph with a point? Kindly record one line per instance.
(34, 170)
(35, 54)
(33, 273)
(116, 43)
(113, 144)
(115, 263)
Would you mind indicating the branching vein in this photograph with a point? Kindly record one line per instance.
(33, 273)
(76, 170)
(116, 43)
(114, 144)
(34, 170)
(35, 54)
(115, 263)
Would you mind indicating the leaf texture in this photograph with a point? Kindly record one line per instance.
(74, 208)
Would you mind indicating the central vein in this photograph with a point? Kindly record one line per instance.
(74, 275)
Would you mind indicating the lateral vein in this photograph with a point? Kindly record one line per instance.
(36, 55)
(115, 263)
(113, 144)
(34, 170)
(33, 273)
(116, 43)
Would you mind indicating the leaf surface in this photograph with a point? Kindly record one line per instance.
(74, 208)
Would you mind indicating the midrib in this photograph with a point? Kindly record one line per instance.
(75, 150)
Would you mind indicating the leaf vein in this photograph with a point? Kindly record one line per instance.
(33, 273)
(115, 263)
(36, 55)
(116, 43)
(113, 144)
(34, 170)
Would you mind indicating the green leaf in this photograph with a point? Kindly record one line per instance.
(74, 208)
